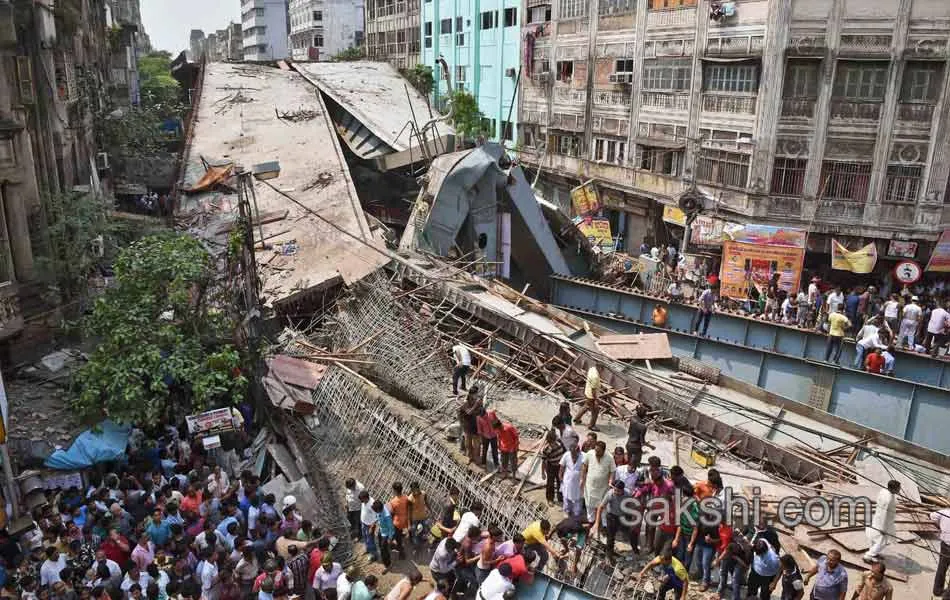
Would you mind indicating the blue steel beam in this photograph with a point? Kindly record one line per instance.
(745, 331)
(904, 409)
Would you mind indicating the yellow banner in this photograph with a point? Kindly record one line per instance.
(856, 261)
(584, 199)
(597, 230)
(747, 265)
(674, 215)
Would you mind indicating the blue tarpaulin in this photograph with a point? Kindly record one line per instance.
(107, 442)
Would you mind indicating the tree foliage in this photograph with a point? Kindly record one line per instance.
(164, 342)
(466, 118)
(156, 83)
(420, 77)
(351, 53)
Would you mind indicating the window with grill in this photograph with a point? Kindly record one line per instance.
(623, 65)
(801, 79)
(539, 14)
(861, 81)
(565, 70)
(730, 169)
(788, 176)
(731, 77)
(511, 19)
(568, 145)
(318, 15)
(507, 131)
(318, 41)
(667, 75)
(445, 26)
(608, 150)
(847, 182)
(571, 9)
(488, 20)
(460, 71)
(922, 82)
(427, 34)
(660, 160)
(616, 7)
(903, 184)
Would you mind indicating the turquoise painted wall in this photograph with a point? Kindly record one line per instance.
(487, 56)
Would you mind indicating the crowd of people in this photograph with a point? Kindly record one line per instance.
(172, 523)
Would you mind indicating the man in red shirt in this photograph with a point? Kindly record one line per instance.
(508, 446)
(521, 569)
(874, 362)
(316, 558)
(116, 548)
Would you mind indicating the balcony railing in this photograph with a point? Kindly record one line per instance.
(671, 17)
(840, 210)
(916, 113)
(798, 108)
(603, 98)
(722, 103)
(567, 95)
(855, 110)
(898, 213)
(785, 206)
(665, 100)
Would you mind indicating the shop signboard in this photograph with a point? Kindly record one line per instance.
(860, 261)
(902, 249)
(672, 214)
(706, 231)
(765, 235)
(746, 265)
(584, 199)
(940, 258)
(210, 422)
(597, 231)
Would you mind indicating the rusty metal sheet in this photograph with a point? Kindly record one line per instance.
(638, 346)
(295, 371)
(288, 397)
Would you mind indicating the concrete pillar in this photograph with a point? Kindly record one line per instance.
(937, 171)
(769, 102)
(826, 81)
(639, 40)
(885, 131)
(696, 89)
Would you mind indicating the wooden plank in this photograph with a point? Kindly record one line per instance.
(638, 346)
(295, 371)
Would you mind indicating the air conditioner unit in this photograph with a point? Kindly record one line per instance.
(102, 161)
(510, 72)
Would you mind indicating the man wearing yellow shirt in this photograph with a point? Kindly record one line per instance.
(837, 325)
(591, 398)
(536, 539)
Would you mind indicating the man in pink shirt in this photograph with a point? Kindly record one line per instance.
(489, 436)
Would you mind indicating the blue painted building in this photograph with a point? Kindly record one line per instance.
(480, 42)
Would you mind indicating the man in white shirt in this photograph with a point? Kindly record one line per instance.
(351, 494)
(892, 311)
(883, 522)
(207, 573)
(368, 518)
(468, 520)
(49, 570)
(868, 338)
(497, 584)
(135, 575)
(937, 329)
(908, 328)
(463, 364)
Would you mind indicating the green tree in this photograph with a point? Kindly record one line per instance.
(420, 77)
(157, 85)
(466, 118)
(165, 342)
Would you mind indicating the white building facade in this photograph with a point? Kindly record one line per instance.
(320, 29)
(264, 26)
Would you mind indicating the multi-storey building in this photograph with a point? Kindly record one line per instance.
(392, 32)
(320, 29)
(235, 43)
(197, 44)
(479, 42)
(264, 29)
(827, 114)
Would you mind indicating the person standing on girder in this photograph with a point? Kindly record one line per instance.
(463, 364)
(591, 398)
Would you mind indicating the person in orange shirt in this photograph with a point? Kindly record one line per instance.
(508, 445)
(710, 487)
(191, 501)
(874, 362)
(399, 508)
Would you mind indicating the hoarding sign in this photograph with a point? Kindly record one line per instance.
(940, 258)
(861, 260)
(747, 265)
(584, 199)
